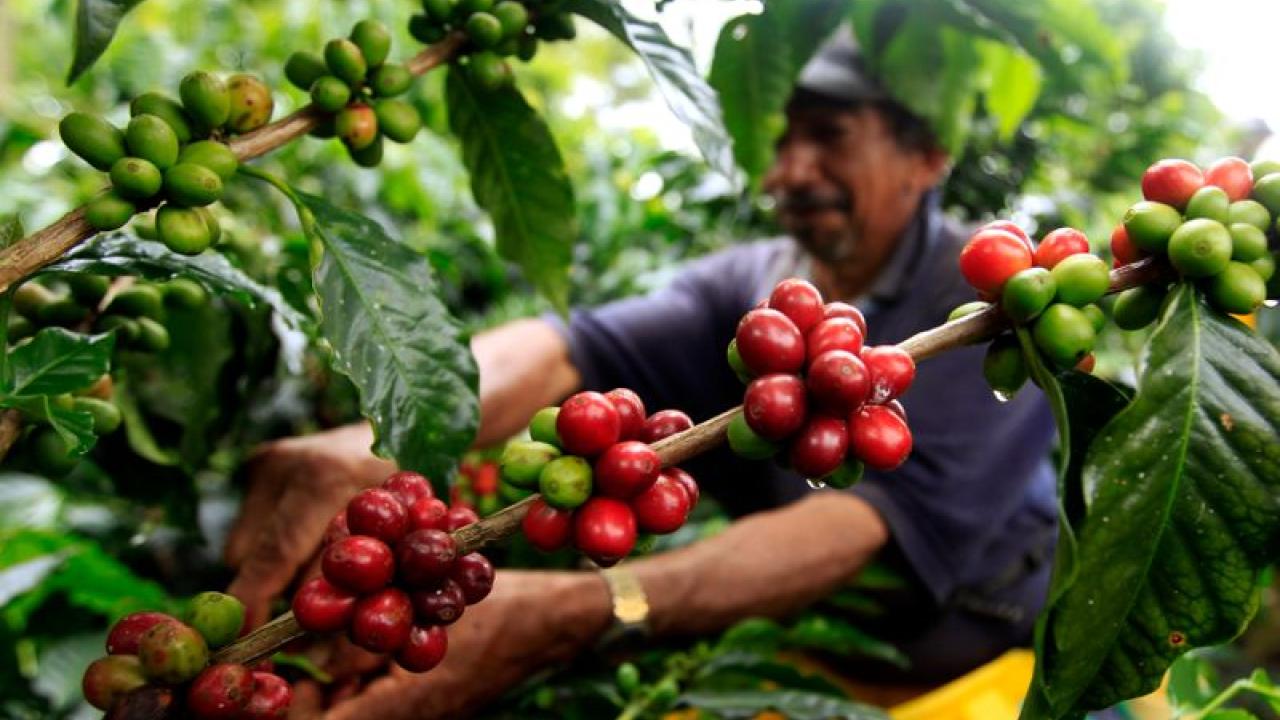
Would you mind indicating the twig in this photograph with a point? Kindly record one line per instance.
(10, 428)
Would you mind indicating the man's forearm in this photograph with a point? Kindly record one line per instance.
(769, 564)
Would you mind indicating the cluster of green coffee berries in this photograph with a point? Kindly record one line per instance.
(45, 450)
(355, 86)
(494, 30)
(170, 155)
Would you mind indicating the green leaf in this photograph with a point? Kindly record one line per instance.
(137, 432)
(394, 338)
(1013, 87)
(123, 254)
(793, 704)
(96, 22)
(1181, 495)
(674, 73)
(75, 427)
(1230, 714)
(830, 634)
(61, 669)
(735, 668)
(58, 361)
(10, 230)
(27, 501)
(518, 176)
(1193, 682)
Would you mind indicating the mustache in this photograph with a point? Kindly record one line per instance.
(811, 201)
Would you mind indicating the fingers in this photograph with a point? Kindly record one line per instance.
(394, 696)
(266, 471)
(308, 701)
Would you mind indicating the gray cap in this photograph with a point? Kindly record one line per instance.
(839, 72)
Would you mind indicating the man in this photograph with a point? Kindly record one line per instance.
(968, 519)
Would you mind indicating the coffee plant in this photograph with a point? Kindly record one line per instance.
(1167, 491)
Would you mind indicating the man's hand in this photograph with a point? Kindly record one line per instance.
(296, 486)
(530, 620)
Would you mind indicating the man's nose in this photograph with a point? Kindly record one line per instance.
(796, 166)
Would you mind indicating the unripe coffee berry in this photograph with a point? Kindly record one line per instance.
(879, 438)
(108, 679)
(800, 301)
(662, 508)
(382, 621)
(588, 424)
(359, 563)
(221, 692)
(834, 334)
(271, 698)
(216, 616)
(547, 527)
(542, 428)
(172, 652)
(459, 517)
(523, 460)
(320, 607)
(664, 424)
(631, 412)
(124, 635)
(424, 650)
(892, 371)
(428, 514)
(748, 444)
(474, 575)
(409, 487)
(769, 342)
(838, 381)
(438, 606)
(775, 405)
(819, 448)
(425, 557)
(566, 482)
(626, 469)
(604, 529)
(377, 513)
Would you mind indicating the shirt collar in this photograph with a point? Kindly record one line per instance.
(894, 280)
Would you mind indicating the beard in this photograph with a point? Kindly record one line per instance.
(811, 218)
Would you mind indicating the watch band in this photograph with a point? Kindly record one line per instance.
(630, 607)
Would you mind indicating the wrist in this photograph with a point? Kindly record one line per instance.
(587, 607)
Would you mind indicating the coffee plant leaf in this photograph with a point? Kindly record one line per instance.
(95, 26)
(10, 230)
(57, 361)
(792, 704)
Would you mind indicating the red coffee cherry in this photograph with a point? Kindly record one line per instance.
(892, 371)
(320, 607)
(428, 514)
(819, 447)
(1122, 248)
(111, 678)
(220, 692)
(1233, 175)
(547, 528)
(377, 513)
(424, 650)
(799, 300)
(775, 406)
(1013, 229)
(604, 529)
(409, 487)
(631, 412)
(686, 481)
(879, 438)
(991, 257)
(458, 517)
(769, 342)
(834, 334)
(897, 409)
(474, 575)
(1060, 244)
(359, 563)
(664, 424)
(438, 606)
(626, 469)
(123, 638)
(382, 621)
(845, 310)
(1172, 182)
(336, 530)
(838, 381)
(271, 698)
(425, 557)
(663, 507)
(588, 424)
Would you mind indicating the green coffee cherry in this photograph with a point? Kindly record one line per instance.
(345, 61)
(109, 679)
(425, 30)
(135, 178)
(390, 79)
(51, 453)
(250, 102)
(138, 300)
(1237, 289)
(1265, 266)
(1150, 225)
(845, 476)
(19, 328)
(1096, 316)
(484, 30)
(396, 119)
(205, 99)
(368, 156)
(216, 616)
(628, 679)
(542, 428)
(106, 416)
(184, 293)
(183, 230)
(126, 329)
(108, 211)
(303, 68)
(565, 482)
(191, 185)
(469, 7)
(1248, 243)
(523, 460)
(489, 71)
(149, 137)
(145, 227)
(1082, 279)
(736, 364)
(1262, 168)
(330, 93)
(967, 309)
(167, 110)
(1064, 334)
(211, 154)
(1004, 367)
(746, 443)
(1209, 202)
(513, 16)
(95, 140)
(211, 222)
(527, 47)
(508, 47)
(1267, 191)
(373, 40)
(1200, 248)
(1251, 212)
(357, 126)
(555, 26)
(1138, 307)
(30, 297)
(152, 336)
(1027, 294)
(324, 127)
(62, 312)
(172, 652)
(439, 10)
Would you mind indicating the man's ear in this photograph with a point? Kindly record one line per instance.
(933, 167)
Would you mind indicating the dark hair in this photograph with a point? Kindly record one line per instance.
(909, 131)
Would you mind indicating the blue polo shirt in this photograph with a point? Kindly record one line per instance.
(976, 496)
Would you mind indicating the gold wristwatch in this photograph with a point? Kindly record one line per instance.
(630, 608)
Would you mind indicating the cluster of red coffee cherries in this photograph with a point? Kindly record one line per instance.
(601, 483)
(158, 666)
(391, 574)
(814, 390)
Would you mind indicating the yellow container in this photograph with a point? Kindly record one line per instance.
(992, 692)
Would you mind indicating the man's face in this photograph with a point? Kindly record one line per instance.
(845, 188)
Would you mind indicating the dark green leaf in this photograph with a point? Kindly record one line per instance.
(58, 361)
(692, 100)
(123, 254)
(833, 635)
(10, 230)
(394, 338)
(794, 705)
(75, 427)
(518, 176)
(96, 22)
(757, 634)
(137, 432)
(1182, 513)
(734, 668)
